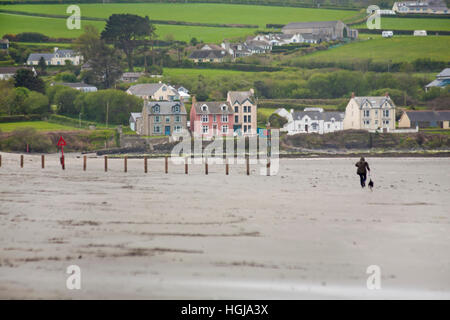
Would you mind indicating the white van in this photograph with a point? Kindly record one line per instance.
(387, 34)
(420, 33)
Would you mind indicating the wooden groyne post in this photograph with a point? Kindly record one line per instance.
(106, 163)
(21, 160)
(84, 163)
(145, 165)
(186, 171)
(227, 167)
(206, 166)
(42, 161)
(125, 164)
(166, 165)
(247, 160)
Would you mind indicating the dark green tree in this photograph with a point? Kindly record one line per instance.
(126, 32)
(26, 78)
(42, 65)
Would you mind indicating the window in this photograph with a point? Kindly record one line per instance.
(249, 128)
(156, 129)
(204, 107)
(245, 108)
(249, 118)
(164, 88)
(245, 128)
(156, 109)
(225, 129)
(161, 98)
(157, 119)
(236, 119)
(177, 129)
(366, 113)
(205, 129)
(167, 118)
(224, 107)
(376, 112)
(249, 109)
(385, 113)
(224, 118)
(245, 118)
(236, 109)
(215, 118)
(176, 109)
(204, 118)
(177, 119)
(328, 126)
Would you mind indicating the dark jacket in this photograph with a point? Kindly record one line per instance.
(362, 165)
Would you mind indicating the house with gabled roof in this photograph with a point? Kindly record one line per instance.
(134, 119)
(245, 110)
(57, 58)
(208, 119)
(370, 113)
(442, 80)
(161, 118)
(425, 119)
(213, 56)
(154, 91)
(311, 120)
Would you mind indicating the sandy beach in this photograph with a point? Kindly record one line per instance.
(308, 232)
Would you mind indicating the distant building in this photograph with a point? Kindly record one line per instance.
(209, 53)
(131, 76)
(425, 119)
(182, 92)
(321, 30)
(245, 110)
(442, 80)
(57, 58)
(161, 118)
(78, 86)
(421, 7)
(370, 113)
(209, 119)
(134, 119)
(9, 72)
(154, 91)
(4, 44)
(311, 120)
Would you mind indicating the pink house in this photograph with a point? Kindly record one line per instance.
(211, 118)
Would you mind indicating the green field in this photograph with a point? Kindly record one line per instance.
(207, 73)
(56, 28)
(412, 24)
(397, 49)
(38, 125)
(198, 12)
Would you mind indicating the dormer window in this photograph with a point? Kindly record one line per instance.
(156, 109)
(224, 107)
(164, 88)
(176, 109)
(204, 107)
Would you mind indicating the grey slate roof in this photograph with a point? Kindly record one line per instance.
(10, 70)
(427, 116)
(444, 73)
(37, 56)
(165, 107)
(315, 24)
(145, 89)
(214, 107)
(374, 102)
(241, 96)
(135, 115)
(317, 115)
(76, 85)
(208, 54)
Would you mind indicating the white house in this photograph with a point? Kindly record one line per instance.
(133, 119)
(311, 120)
(154, 91)
(9, 72)
(57, 58)
(442, 80)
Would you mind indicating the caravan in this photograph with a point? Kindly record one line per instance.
(387, 34)
(420, 33)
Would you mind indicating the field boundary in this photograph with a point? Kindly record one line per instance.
(165, 22)
(403, 32)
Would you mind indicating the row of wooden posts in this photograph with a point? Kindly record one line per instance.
(166, 164)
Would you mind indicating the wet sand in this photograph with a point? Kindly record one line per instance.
(308, 232)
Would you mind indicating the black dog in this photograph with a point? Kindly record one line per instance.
(370, 184)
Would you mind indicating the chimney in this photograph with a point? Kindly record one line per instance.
(55, 49)
(387, 94)
(292, 111)
(252, 91)
(353, 94)
(194, 100)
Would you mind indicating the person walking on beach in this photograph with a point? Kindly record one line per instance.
(363, 166)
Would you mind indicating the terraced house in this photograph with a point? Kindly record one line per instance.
(57, 58)
(161, 118)
(245, 111)
(209, 119)
(370, 113)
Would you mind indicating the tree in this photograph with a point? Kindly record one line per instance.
(36, 103)
(42, 65)
(125, 31)
(193, 41)
(105, 61)
(26, 78)
(65, 99)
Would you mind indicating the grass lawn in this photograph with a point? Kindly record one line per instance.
(198, 12)
(38, 125)
(56, 28)
(204, 72)
(412, 24)
(382, 50)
